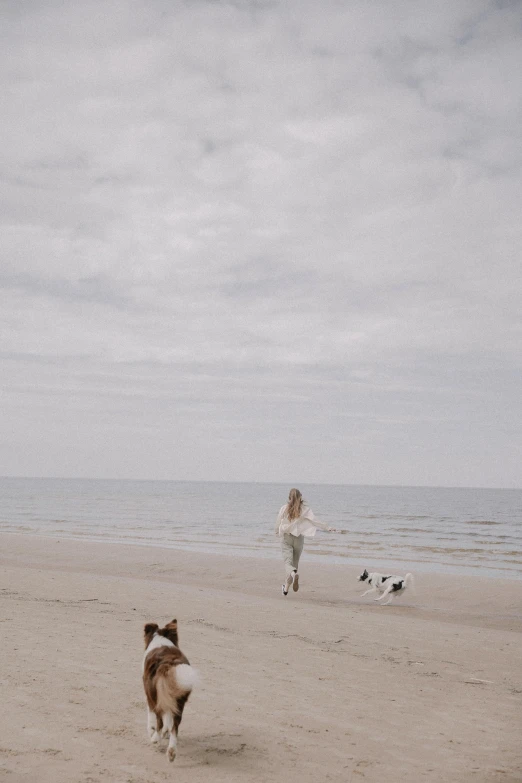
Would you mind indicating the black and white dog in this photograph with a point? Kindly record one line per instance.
(387, 585)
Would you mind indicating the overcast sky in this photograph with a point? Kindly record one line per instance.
(266, 240)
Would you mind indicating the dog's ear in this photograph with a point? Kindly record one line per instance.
(171, 631)
(150, 628)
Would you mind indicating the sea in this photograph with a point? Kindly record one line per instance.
(450, 530)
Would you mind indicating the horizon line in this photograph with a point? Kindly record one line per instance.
(243, 481)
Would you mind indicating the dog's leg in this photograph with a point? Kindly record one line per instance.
(173, 741)
(151, 724)
(159, 728)
(168, 723)
(386, 592)
(173, 744)
(389, 591)
(371, 590)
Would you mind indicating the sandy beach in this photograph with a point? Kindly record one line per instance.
(320, 686)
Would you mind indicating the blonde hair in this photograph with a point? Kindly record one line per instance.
(295, 504)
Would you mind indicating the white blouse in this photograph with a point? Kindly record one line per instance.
(304, 525)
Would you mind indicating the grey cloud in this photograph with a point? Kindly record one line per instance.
(89, 289)
(263, 221)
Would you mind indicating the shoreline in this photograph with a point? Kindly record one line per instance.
(323, 559)
(448, 597)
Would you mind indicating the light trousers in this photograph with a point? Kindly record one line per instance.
(291, 547)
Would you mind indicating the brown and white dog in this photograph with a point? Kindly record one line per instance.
(168, 679)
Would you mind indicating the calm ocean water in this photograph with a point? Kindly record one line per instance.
(437, 529)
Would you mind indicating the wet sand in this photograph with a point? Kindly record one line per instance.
(320, 686)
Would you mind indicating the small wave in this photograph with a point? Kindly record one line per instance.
(483, 534)
(410, 530)
(344, 555)
(448, 550)
(370, 534)
(481, 522)
(405, 517)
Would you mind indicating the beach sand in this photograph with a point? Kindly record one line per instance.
(319, 686)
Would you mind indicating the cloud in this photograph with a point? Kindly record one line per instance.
(250, 224)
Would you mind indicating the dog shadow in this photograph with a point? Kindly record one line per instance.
(223, 749)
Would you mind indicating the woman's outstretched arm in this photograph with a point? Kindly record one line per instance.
(309, 514)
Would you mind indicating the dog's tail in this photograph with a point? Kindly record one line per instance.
(409, 581)
(187, 677)
(174, 687)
